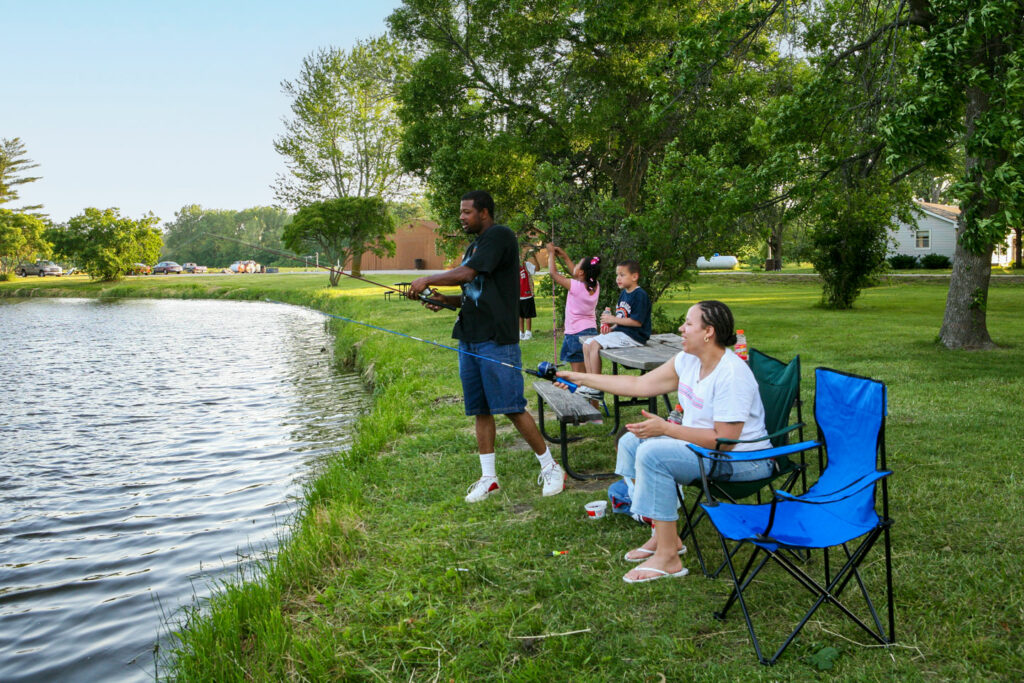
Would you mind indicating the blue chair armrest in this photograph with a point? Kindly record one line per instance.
(763, 454)
(840, 494)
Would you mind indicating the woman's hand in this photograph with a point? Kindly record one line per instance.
(573, 377)
(649, 428)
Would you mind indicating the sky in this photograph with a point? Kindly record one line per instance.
(150, 106)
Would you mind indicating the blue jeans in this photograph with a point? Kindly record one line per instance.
(658, 464)
(487, 387)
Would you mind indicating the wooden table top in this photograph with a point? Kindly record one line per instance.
(646, 358)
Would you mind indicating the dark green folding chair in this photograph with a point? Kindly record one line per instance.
(779, 386)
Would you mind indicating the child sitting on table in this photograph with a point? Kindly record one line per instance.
(630, 323)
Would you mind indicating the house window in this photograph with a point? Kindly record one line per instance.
(924, 239)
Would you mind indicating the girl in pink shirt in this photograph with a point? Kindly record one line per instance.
(580, 304)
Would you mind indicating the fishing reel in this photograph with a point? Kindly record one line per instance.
(547, 371)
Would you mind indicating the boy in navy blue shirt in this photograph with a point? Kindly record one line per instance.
(630, 322)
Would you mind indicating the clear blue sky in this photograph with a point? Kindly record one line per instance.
(152, 106)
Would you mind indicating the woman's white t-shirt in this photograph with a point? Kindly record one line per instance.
(728, 394)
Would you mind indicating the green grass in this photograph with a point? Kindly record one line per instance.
(388, 575)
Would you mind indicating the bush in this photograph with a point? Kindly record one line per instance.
(902, 262)
(935, 261)
(7, 277)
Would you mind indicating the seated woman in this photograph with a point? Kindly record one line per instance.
(720, 400)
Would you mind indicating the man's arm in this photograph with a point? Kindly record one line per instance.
(456, 276)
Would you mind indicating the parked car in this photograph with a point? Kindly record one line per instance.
(41, 268)
(166, 267)
(138, 269)
(193, 268)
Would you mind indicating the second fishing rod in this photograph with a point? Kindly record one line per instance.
(545, 370)
(425, 296)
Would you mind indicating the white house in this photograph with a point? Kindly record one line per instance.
(935, 233)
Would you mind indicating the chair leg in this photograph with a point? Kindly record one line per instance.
(690, 528)
(737, 594)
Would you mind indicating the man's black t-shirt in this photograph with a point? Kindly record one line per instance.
(490, 302)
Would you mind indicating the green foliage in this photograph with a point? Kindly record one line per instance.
(969, 95)
(22, 238)
(601, 126)
(342, 228)
(342, 139)
(903, 262)
(106, 244)
(13, 163)
(193, 235)
(935, 261)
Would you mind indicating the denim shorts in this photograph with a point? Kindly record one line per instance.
(487, 387)
(572, 349)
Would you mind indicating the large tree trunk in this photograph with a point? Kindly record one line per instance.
(1017, 247)
(964, 325)
(775, 248)
(357, 262)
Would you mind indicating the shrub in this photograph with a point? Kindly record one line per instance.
(902, 262)
(7, 277)
(935, 261)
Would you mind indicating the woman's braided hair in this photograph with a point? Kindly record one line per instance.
(717, 315)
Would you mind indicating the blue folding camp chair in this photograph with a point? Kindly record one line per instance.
(836, 511)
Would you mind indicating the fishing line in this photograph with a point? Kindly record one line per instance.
(545, 370)
(424, 296)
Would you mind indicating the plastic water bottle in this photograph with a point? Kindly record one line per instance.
(676, 415)
(741, 345)
(605, 327)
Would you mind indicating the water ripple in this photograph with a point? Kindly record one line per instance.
(146, 448)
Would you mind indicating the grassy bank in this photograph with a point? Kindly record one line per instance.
(388, 575)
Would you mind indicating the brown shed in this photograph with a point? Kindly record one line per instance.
(415, 249)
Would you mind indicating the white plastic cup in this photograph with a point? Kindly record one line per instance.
(596, 509)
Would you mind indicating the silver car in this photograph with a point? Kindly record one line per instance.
(40, 268)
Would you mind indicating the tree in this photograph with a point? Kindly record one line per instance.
(342, 228)
(196, 234)
(13, 163)
(606, 94)
(342, 139)
(22, 238)
(970, 78)
(105, 244)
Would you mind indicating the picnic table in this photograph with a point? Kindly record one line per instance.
(659, 349)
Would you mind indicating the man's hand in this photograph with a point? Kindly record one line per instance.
(649, 428)
(416, 287)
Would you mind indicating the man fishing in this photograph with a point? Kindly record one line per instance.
(487, 326)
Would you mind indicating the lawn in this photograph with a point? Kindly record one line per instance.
(388, 575)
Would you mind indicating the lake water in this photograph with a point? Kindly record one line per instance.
(147, 447)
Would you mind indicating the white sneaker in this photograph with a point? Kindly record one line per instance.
(481, 488)
(528, 335)
(522, 336)
(552, 480)
(588, 393)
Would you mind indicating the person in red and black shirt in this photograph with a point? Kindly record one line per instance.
(527, 306)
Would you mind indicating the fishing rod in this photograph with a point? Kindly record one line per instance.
(545, 370)
(425, 296)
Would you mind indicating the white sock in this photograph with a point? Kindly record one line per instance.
(545, 459)
(487, 465)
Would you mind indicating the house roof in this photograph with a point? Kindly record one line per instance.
(949, 213)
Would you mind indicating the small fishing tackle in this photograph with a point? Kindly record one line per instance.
(545, 370)
(425, 296)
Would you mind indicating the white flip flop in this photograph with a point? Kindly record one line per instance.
(658, 574)
(647, 554)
